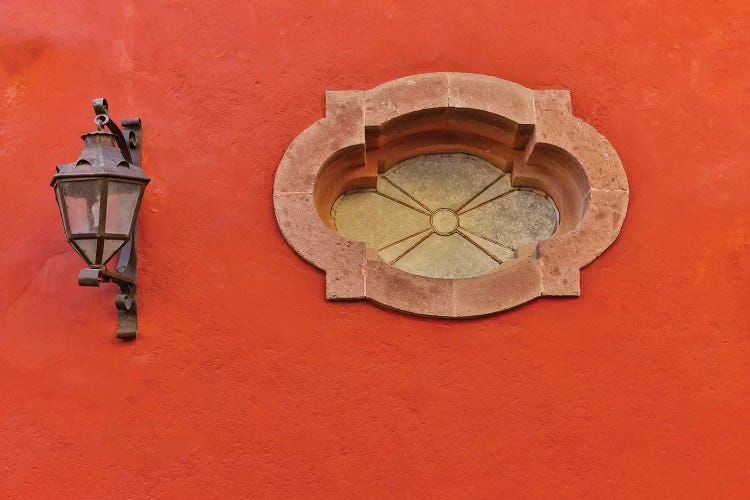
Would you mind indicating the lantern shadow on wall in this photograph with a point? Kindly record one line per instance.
(99, 196)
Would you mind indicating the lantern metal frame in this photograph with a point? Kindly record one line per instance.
(128, 141)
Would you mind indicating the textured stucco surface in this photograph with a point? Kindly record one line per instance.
(246, 382)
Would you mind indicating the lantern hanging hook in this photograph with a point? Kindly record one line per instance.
(101, 108)
(100, 121)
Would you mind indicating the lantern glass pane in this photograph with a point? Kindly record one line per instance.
(110, 248)
(59, 196)
(89, 249)
(122, 198)
(82, 205)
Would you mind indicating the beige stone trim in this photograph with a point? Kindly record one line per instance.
(532, 134)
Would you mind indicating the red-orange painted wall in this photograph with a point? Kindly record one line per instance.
(245, 382)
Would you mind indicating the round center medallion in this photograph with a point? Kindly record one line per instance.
(444, 221)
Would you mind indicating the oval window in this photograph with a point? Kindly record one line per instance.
(450, 195)
(445, 215)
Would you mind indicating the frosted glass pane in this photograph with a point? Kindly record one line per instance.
(448, 215)
(514, 219)
(110, 247)
(89, 249)
(60, 205)
(82, 205)
(122, 198)
(376, 220)
(447, 180)
(446, 257)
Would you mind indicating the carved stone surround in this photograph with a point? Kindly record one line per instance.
(530, 134)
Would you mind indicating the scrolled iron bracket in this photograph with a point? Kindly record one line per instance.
(125, 301)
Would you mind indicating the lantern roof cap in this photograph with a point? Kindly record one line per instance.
(100, 157)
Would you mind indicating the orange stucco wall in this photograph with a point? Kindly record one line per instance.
(245, 382)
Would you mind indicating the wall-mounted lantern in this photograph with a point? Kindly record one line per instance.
(99, 196)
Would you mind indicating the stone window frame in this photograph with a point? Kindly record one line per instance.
(530, 133)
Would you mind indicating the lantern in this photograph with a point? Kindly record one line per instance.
(99, 196)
